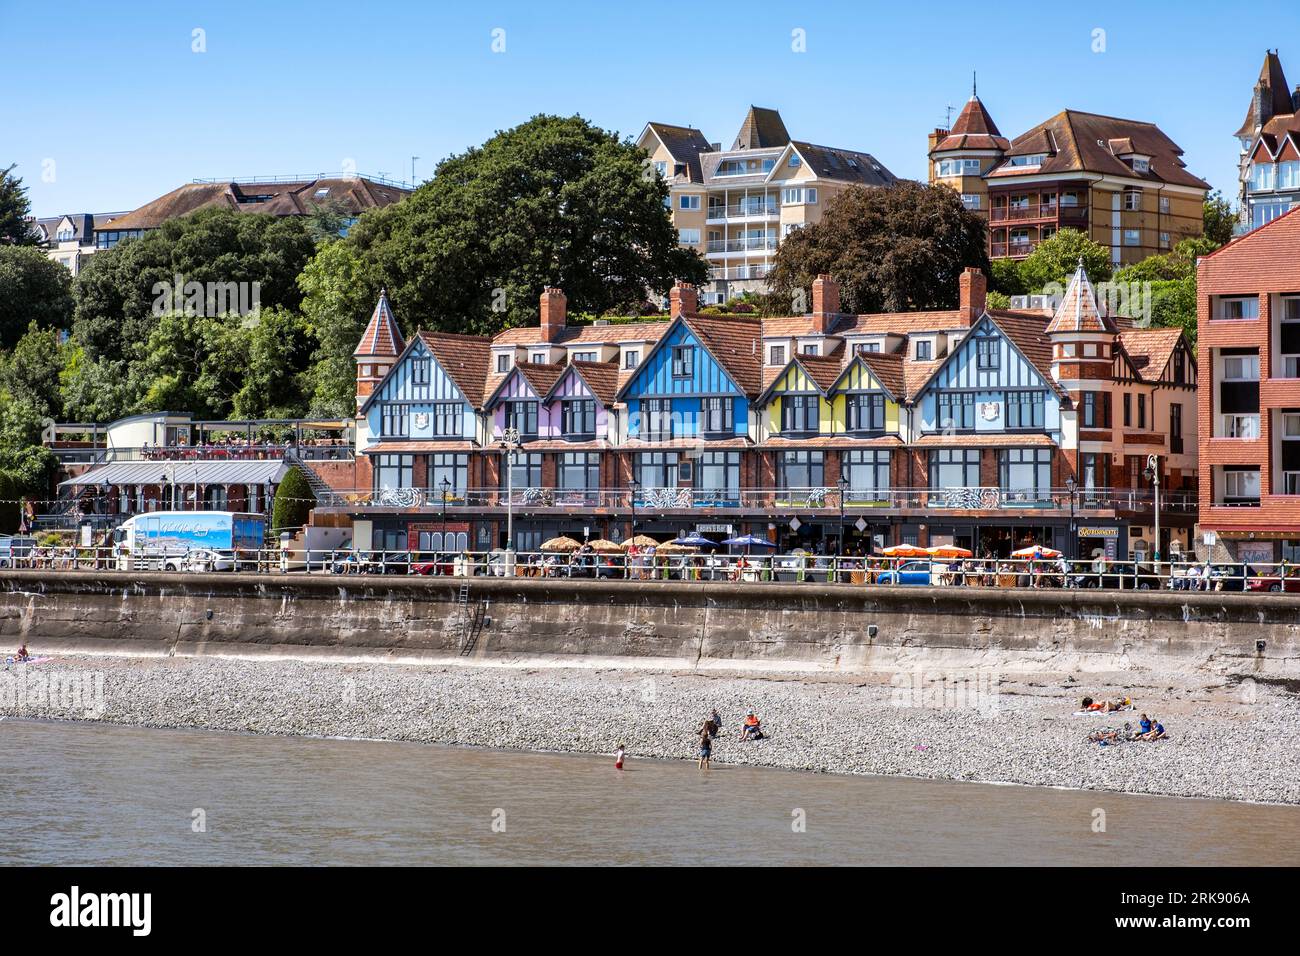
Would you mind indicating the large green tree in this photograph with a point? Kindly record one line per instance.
(1220, 219)
(1054, 260)
(122, 292)
(33, 288)
(893, 249)
(15, 208)
(554, 201)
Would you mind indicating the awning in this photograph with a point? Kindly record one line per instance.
(183, 473)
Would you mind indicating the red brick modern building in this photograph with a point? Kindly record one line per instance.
(1248, 321)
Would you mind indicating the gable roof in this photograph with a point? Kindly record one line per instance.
(1081, 142)
(648, 330)
(684, 144)
(601, 379)
(844, 165)
(1078, 311)
(541, 377)
(762, 129)
(383, 336)
(464, 358)
(821, 370)
(1026, 334)
(1149, 350)
(888, 368)
(733, 342)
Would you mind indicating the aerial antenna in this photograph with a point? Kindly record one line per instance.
(974, 87)
(947, 123)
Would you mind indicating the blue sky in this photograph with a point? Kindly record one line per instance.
(109, 102)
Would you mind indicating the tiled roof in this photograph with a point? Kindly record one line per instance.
(541, 377)
(888, 368)
(1029, 336)
(602, 379)
(981, 441)
(831, 441)
(734, 342)
(407, 447)
(355, 193)
(845, 165)
(1276, 93)
(382, 337)
(1149, 350)
(1078, 311)
(646, 331)
(465, 358)
(974, 129)
(761, 129)
(684, 144)
(899, 323)
(917, 374)
(725, 443)
(1081, 142)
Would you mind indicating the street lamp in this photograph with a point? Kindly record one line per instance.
(843, 485)
(1153, 475)
(633, 485)
(1071, 484)
(510, 439)
(445, 485)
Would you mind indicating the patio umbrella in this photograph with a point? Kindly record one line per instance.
(694, 541)
(949, 551)
(672, 547)
(605, 546)
(904, 551)
(561, 544)
(750, 541)
(641, 541)
(1036, 551)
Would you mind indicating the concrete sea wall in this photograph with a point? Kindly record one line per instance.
(526, 621)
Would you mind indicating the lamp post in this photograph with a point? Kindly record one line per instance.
(445, 485)
(1153, 473)
(1070, 485)
(843, 484)
(633, 485)
(510, 439)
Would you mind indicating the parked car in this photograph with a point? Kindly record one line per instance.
(913, 572)
(1223, 577)
(1122, 576)
(1272, 581)
(14, 548)
(431, 564)
(209, 559)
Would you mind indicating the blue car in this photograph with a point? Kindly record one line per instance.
(910, 572)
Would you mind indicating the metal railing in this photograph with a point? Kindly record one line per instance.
(815, 498)
(753, 244)
(1181, 572)
(742, 211)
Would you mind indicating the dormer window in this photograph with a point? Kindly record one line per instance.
(683, 361)
(1141, 164)
(1033, 159)
(503, 363)
(924, 350)
(776, 355)
(811, 348)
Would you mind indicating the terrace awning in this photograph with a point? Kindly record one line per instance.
(222, 472)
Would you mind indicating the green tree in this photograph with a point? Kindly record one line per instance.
(1005, 277)
(339, 289)
(15, 227)
(278, 348)
(33, 288)
(94, 390)
(32, 372)
(1055, 260)
(554, 201)
(122, 292)
(294, 500)
(1220, 219)
(894, 249)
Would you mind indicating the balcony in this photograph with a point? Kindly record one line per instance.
(754, 244)
(739, 272)
(1012, 250)
(744, 212)
(1035, 212)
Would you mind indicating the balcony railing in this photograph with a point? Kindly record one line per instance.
(1011, 250)
(754, 244)
(743, 211)
(1035, 211)
(828, 499)
(739, 272)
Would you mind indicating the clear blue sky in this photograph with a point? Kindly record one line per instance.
(113, 94)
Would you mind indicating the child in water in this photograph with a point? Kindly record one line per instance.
(618, 757)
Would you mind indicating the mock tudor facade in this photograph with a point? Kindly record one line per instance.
(982, 428)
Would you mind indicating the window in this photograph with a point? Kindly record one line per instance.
(662, 169)
(580, 471)
(659, 418)
(523, 416)
(1176, 428)
(1141, 165)
(865, 412)
(810, 348)
(1132, 237)
(867, 347)
(1132, 200)
(867, 473)
(683, 361)
(393, 471)
(1288, 175)
(717, 414)
(585, 357)
(1128, 409)
(579, 418)
(631, 358)
(503, 363)
(776, 355)
(688, 237)
(797, 196)
(955, 468)
(1164, 240)
(539, 358)
(924, 350)
(1261, 176)
(959, 167)
(800, 470)
(688, 202)
(717, 475)
(970, 200)
(525, 471)
(1024, 410)
(395, 422)
(447, 419)
(1025, 472)
(657, 469)
(1241, 368)
(1242, 307)
(420, 371)
(794, 160)
(1240, 485)
(987, 354)
(454, 467)
(1164, 204)
(1035, 159)
(1095, 411)
(956, 410)
(799, 413)
(1142, 411)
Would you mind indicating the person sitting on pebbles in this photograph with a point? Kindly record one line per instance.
(1156, 732)
(752, 728)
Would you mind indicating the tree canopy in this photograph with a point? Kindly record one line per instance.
(33, 288)
(15, 208)
(892, 249)
(1220, 219)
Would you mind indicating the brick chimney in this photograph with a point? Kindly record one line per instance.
(974, 294)
(553, 311)
(826, 301)
(683, 300)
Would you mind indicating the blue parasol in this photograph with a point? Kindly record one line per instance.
(750, 541)
(695, 541)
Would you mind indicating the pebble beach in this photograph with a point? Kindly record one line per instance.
(1229, 741)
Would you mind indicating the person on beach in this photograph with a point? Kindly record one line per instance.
(716, 721)
(618, 757)
(706, 750)
(22, 654)
(752, 729)
(1144, 725)
(1156, 731)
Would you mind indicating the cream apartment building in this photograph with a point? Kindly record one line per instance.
(734, 206)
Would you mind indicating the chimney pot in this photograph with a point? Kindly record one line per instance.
(683, 300)
(826, 301)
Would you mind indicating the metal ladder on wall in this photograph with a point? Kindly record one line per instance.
(470, 622)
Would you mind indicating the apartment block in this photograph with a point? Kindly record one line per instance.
(1248, 337)
(1122, 182)
(734, 206)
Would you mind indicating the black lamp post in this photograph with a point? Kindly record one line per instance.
(843, 485)
(1072, 485)
(633, 485)
(446, 486)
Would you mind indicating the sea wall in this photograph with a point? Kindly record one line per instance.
(527, 621)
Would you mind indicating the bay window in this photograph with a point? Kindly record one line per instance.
(525, 472)
(393, 471)
(867, 474)
(865, 412)
(799, 413)
(717, 416)
(523, 416)
(1024, 410)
